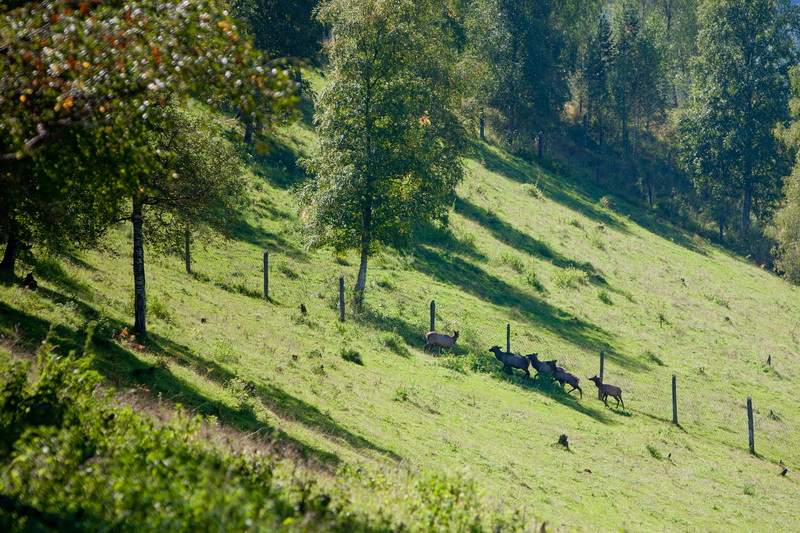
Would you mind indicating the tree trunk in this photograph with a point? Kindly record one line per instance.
(482, 123)
(747, 200)
(721, 226)
(187, 249)
(361, 282)
(10, 255)
(139, 301)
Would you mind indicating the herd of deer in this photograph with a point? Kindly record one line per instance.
(544, 368)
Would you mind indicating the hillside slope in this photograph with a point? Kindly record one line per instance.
(571, 273)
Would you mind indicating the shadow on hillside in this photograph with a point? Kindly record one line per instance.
(445, 240)
(278, 166)
(573, 195)
(523, 242)
(244, 231)
(123, 369)
(412, 335)
(564, 192)
(551, 389)
(476, 281)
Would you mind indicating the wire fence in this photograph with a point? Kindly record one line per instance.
(647, 390)
(647, 386)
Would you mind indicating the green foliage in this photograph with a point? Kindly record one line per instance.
(79, 87)
(394, 342)
(390, 146)
(522, 47)
(281, 29)
(570, 278)
(353, 356)
(512, 260)
(740, 94)
(603, 296)
(654, 452)
(532, 279)
(785, 224)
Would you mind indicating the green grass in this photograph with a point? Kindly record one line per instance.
(564, 265)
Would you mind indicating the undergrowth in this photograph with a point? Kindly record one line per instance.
(73, 459)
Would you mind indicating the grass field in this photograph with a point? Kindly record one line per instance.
(573, 272)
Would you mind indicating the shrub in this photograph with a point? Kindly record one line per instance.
(385, 284)
(532, 189)
(158, 308)
(451, 362)
(603, 296)
(403, 394)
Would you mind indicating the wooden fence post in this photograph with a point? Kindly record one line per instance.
(750, 425)
(266, 274)
(674, 400)
(433, 315)
(602, 364)
(341, 298)
(508, 337)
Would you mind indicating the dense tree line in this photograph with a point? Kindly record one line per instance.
(95, 125)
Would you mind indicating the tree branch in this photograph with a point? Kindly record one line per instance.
(42, 133)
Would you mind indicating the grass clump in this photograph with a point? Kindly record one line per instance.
(570, 278)
(394, 342)
(603, 296)
(532, 280)
(512, 260)
(654, 452)
(351, 356)
(653, 358)
(532, 189)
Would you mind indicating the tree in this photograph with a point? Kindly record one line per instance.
(197, 181)
(785, 225)
(599, 59)
(390, 145)
(523, 48)
(282, 29)
(740, 94)
(77, 82)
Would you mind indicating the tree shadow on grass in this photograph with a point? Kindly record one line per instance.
(564, 192)
(278, 166)
(476, 281)
(445, 240)
(553, 390)
(245, 231)
(123, 369)
(274, 398)
(523, 242)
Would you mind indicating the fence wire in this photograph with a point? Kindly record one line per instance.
(704, 410)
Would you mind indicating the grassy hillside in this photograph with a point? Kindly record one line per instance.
(571, 271)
